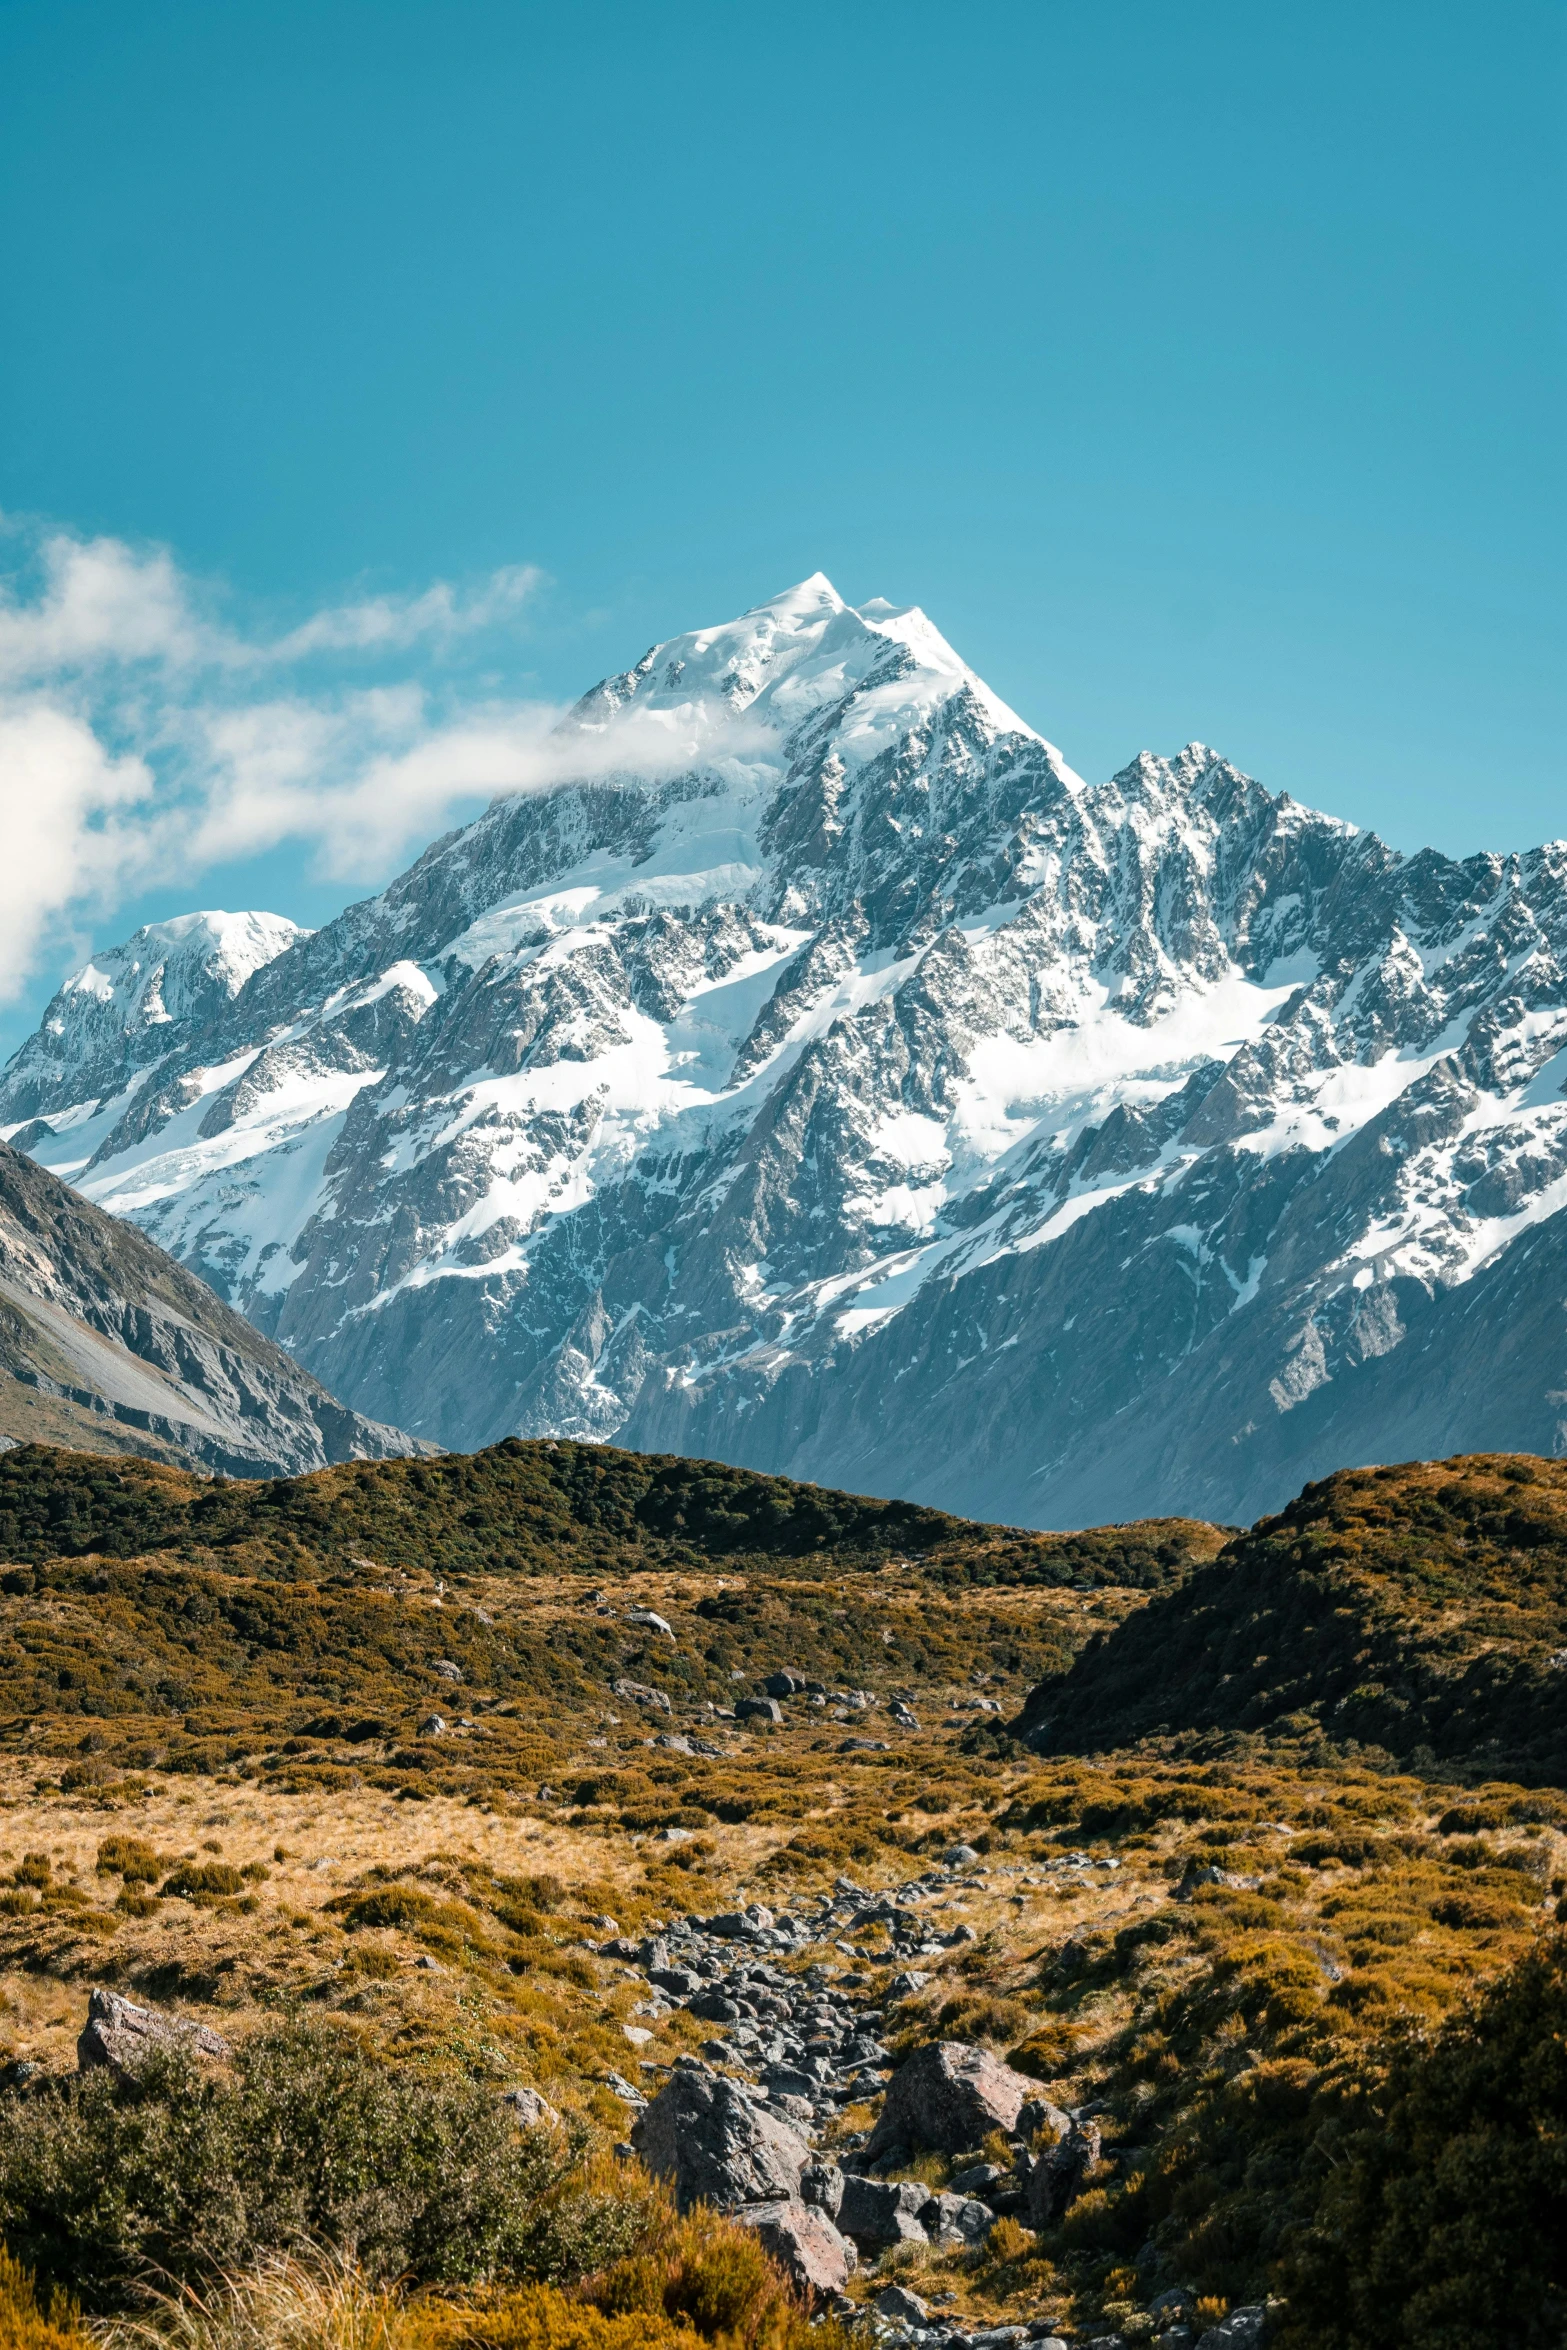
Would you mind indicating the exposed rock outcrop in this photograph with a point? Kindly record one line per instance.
(120, 2035)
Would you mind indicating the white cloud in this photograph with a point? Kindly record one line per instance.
(101, 604)
(144, 737)
(70, 826)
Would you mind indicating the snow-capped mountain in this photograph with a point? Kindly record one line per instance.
(822, 1076)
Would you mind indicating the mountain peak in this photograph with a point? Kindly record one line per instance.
(820, 1075)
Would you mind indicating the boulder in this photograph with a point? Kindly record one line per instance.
(1054, 2179)
(715, 2145)
(951, 2220)
(807, 2247)
(897, 2301)
(1243, 2329)
(784, 1684)
(120, 2035)
(638, 1693)
(947, 2098)
(530, 2110)
(650, 1621)
(878, 2213)
(758, 1709)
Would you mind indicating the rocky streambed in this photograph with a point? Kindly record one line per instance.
(754, 2124)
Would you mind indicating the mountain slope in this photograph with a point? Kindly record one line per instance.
(822, 1077)
(1420, 1609)
(107, 1344)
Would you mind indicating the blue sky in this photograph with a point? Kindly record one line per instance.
(1199, 369)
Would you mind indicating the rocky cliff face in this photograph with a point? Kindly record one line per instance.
(823, 1077)
(106, 1345)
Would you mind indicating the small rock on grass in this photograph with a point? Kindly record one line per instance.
(532, 2112)
(119, 2034)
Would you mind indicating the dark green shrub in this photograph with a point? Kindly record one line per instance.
(1443, 2220)
(186, 2170)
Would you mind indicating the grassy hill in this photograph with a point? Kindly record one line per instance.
(542, 1506)
(305, 1627)
(1420, 1611)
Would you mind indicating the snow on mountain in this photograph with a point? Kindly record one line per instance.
(118, 1012)
(822, 1076)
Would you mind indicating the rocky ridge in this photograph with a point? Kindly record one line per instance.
(822, 1039)
(108, 1346)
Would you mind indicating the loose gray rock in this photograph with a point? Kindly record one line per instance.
(807, 2247)
(878, 2213)
(447, 1670)
(707, 2136)
(649, 1620)
(758, 1709)
(532, 2111)
(784, 1684)
(948, 2097)
(1056, 2178)
(1243, 2329)
(119, 2035)
(950, 2220)
(898, 2301)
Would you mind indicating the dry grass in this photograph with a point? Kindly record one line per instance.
(1216, 2022)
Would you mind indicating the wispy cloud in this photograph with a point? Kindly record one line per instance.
(144, 736)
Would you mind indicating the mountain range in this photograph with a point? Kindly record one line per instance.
(821, 1077)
